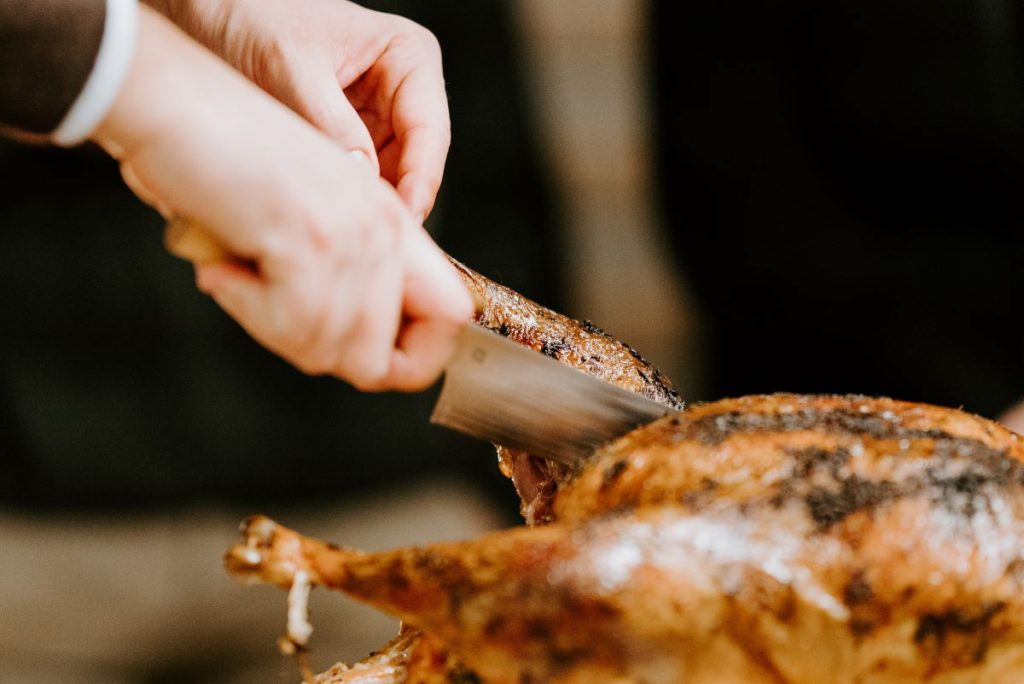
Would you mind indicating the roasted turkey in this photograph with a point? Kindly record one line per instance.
(776, 539)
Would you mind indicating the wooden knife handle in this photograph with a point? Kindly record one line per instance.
(191, 241)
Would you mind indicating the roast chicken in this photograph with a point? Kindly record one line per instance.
(776, 539)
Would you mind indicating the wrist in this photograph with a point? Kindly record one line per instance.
(170, 81)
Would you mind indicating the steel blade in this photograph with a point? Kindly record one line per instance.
(497, 390)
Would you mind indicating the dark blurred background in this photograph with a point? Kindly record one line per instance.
(760, 196)
(847, 179)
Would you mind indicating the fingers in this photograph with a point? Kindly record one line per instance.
(315, 94)
(1013, 418)
(443, 294)
(345, 327)
(364, 352)
(435, 305)
(419, 117)
(391, 327)
(420, 168)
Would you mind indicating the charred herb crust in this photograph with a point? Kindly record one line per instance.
(962, 474)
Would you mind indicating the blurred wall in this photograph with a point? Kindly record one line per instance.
(587, 65)
(842, 183)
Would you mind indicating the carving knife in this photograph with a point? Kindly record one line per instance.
(497, 390)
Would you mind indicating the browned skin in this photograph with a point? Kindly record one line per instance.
(765, 539)
(579, 344)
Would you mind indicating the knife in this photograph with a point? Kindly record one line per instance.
(500, 391)
(497, 390)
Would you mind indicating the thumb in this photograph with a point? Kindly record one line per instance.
(1013, 417)
(316, 95)
(435, 305)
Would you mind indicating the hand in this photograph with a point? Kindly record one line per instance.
(1013, 417)
(344, 281)
(371, 81)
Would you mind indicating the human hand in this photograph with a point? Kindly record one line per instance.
(343, 280)
(1013, 417)
(372, 81)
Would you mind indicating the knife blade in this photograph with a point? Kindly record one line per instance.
(497, 390)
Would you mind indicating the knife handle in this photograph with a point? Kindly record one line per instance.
(190, 240)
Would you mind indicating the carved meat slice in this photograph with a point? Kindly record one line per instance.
(765, 539)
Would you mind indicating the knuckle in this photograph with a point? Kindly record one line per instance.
(382, 236)
(321, 236)
(429, 41)
(302, 233)
(417, 36)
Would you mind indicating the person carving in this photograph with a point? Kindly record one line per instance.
(334, 271)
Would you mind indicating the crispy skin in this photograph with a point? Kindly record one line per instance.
(765, 539)
(579, 344)
(838, 453)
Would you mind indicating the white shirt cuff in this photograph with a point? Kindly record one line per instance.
(108, 73)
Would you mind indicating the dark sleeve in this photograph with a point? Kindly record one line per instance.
(47, 51)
